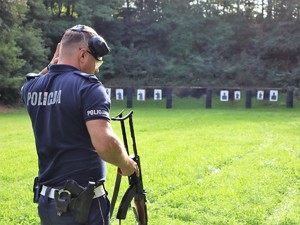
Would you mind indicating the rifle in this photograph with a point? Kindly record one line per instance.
(135, 190)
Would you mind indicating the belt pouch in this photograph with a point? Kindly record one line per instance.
(36, 190)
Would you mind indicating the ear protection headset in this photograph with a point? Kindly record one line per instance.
(97, 45)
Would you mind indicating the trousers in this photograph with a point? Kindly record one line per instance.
(99, 212)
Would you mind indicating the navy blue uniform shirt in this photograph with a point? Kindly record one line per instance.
(59, 104)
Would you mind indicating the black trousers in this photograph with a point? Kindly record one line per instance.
(99, 212)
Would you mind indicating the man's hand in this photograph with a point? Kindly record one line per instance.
(131, 168)
(54, 60)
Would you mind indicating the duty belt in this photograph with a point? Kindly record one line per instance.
(99, 191)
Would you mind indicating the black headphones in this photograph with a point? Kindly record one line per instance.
(97, 45)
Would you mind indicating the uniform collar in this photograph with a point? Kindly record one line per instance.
(61, 68)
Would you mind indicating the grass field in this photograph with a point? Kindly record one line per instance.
(225, 165)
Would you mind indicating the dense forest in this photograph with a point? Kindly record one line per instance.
(207, 43)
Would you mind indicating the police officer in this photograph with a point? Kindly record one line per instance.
(69, 111)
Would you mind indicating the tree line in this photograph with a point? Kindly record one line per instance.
(211, 43)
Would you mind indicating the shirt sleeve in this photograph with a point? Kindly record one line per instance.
(95, 103)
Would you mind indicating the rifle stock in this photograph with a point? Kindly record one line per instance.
(141, 208)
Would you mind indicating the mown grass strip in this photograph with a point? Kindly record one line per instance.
(216, 166)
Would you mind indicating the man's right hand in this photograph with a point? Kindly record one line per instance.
(131, 168)
(54, 60)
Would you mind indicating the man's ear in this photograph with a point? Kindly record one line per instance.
(82, 56)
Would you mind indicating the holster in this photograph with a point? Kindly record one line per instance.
(76, 199)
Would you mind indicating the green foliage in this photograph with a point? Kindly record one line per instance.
(140, 67)
(37, 12)
(33, 49)
(96, 12)
(232, 43)
(21, 49)
(11, 12)
(9, 79)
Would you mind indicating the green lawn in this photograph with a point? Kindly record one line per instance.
(225, 165)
